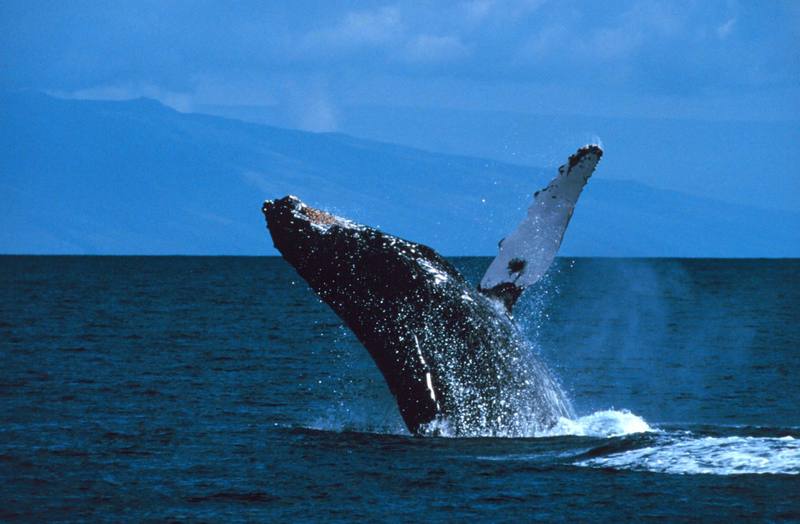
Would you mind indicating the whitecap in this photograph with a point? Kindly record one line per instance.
(607, 423)
(710, 455)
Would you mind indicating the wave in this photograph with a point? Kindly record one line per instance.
(625, 441)
(709, 455)
(607, 423)
(682, 452)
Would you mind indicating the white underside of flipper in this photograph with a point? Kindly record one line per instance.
(527, 253)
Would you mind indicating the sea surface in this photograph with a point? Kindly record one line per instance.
(221, 389)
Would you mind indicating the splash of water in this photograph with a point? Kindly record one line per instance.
(607, 423)
(603, 424)
(523, 400)
(710, 455)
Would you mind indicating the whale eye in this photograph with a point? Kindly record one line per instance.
(515, 265)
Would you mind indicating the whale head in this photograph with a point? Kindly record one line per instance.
(304, 235)
(350, 262)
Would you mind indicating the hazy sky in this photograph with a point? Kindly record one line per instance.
(694, 59)
(464, 75)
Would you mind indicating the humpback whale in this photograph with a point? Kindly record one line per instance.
(451, 354)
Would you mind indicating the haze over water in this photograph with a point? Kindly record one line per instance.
(221, 389)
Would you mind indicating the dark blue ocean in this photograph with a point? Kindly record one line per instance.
(221, 389)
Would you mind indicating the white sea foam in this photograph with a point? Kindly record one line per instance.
(710, 455)
(608, 423)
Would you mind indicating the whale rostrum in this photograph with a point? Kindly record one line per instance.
(451, 355)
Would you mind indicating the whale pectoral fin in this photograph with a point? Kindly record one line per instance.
(527, 253)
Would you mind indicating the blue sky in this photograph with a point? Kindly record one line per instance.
(703, 59)
(313, 62)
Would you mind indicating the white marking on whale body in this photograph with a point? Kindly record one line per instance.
(429, 382)
(419, 352)
(428, 378)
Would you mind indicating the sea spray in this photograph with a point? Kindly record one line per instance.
(692, 455)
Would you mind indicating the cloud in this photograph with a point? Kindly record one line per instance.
(484, 10)
(384, 34)
(607, 37)
(613, 43)
(179, 101)
(546, 41)
(724, 30)
(479, 10)
(316, 114)
(257, 53)
(259, 181)
(429, 48)
(308, 105)
(358, 29)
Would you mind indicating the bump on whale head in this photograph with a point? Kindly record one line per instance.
(297, 230)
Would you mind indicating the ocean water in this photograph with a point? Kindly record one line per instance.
(221, 389)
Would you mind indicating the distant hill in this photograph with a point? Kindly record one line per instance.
(136, 177)
(721, 159)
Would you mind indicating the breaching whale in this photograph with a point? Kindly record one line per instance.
(451, 354)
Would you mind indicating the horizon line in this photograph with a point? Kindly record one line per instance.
(609, 257)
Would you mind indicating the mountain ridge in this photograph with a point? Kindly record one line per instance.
(137, 177)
